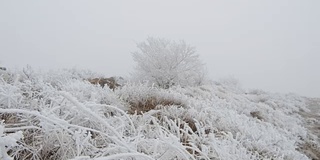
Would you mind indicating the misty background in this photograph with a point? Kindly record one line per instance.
(271, 45)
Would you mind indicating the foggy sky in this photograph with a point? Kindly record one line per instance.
(273, 45)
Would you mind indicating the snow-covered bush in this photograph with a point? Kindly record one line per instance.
(167, 63)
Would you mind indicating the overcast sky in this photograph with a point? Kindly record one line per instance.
(273, 45)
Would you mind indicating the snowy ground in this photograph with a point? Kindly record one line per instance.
(60, 115)
(312, 123)
(314, 116)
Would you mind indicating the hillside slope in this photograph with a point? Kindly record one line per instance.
(60, 115)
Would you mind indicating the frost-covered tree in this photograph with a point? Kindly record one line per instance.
(167, 63)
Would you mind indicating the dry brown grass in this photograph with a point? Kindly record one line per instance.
(31, 146)
(150, 103)
(9, 118)
(256, 114)
(110, 82)
(187, 127)
(310, 149)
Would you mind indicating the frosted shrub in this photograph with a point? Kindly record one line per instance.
(167, 63)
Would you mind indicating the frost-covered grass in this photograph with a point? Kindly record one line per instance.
(60, 115)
